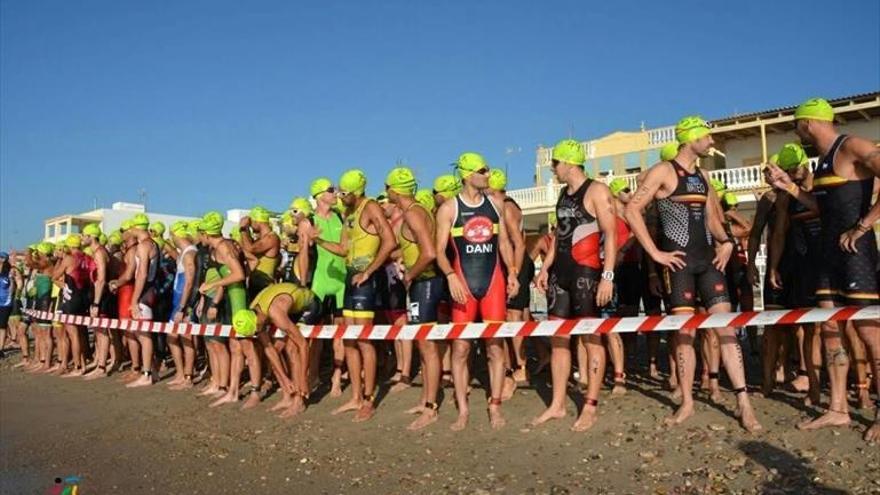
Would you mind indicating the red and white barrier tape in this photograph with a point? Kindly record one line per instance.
(640, 324)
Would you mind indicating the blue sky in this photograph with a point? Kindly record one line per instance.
(218, 105)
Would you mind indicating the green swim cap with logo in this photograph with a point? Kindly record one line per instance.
(157, 228)
(353, 181)
(470, 162)
(815, 109)
(212, 223)
(193, 227)
(73, 241)
(791, 156)
(426, 198)
(180, 229)
(140, 221)
(300, 205)
(45, 248)
(497, 179)
(691, 128)
(447, 186)
(244, 321)
(259, 214)
(92, 230)
(320, 185)
(617, 185)
(402, 180)
(569, 151)
(668, 151)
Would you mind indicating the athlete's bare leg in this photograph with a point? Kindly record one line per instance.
(353, 361)
(76, 350)
(495, 354)
(431, 384)
(63, 345)
(653, 354)
(173, 342)
(686, 362)
(368, 353)
(148, 374)
(859, 358)
(582, 363)
(801, 382)
(214, 383)
(445, 348)
(813, 362)
(770, 355)
(102, 348)
(461, 350)
(615, 348)
(869, 331)
(837, 363)
(596, 370)
(403, 350)
(560, 367)
(255, 370)
(338, 361)
(236, 365)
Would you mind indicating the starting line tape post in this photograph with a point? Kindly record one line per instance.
(446, 331)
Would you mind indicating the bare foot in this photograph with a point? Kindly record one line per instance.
(22, 364)
(704, 382)
(519, 375)
(227, 398)
(508, 388)
(420, 409)
(653, 372)
(76, 372)
(336, 390)
(209, 390)
(800, 384)
(586, 420)
(780, 374)
(143, 381)
(873, 433)
(428, 416)
(548, 415)
(715, 393)
(129, 376)
(864, 398)
(174, 381)
(284, 403)
(184, 385)
(365, 412)
(461, 422)
(676, 394)
(251, 402)
(95, 374)
(684, 412)
(747, 418)
(352, 405)
(619, 388)
(400, 386)
(294, 409)
(496, 419)
(829, 419)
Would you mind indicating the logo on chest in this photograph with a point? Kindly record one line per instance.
(478, 231)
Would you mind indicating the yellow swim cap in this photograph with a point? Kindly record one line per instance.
(319, 186)
(73, 241)
(92, 230)
(244, 321)
(497, 179)
(300, 205)
(180, 229)
(353, 181)
(691, 128)
(140, 221)
(617, 185)
(469, 163)
(668, 151)
(102, 239)
(114, 239)
(791, 156)
(212, 223)
(402, 181)
(569, 151)
(774, 159)
(157, 228)
(426, 198)
(259, 214)
(126, 225)
(730, 199)
(718, 186)
(815, 109)
(235, 234)
(45, 248)
(447, 186)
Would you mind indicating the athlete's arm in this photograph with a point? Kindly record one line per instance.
(417, 220)
(777, 239)
(780, 179)
(189, 275)
(263, 246)
(645, 193)
(762, 212)
(60, 269)
(740, 227)
(867, 164)
(142, 253)
(338, 248)
(441, 241)
(302, 257)
(715, 223)
(504, 245)
(101, 260)
(600, 200)
(544, 274)
(512, 220)
(376, 216)
(272, 354)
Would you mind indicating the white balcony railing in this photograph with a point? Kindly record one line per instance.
(661, 135)
(538, 199)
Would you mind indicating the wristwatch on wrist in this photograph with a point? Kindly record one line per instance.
(608, 275)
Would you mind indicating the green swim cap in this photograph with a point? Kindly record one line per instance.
(212, 223)
(89, 251)
(73, 241)
(157, 228)
(730, 199)
(717, 185)
(114, 239)
(791, 156)
(235, 234)
(774, 158)
(426, 198)
(259, 214)
(617, 185)
(470, 162)
(193, 227)
(353, 181)
(401, 180)
(691, 128)
(320, 185)
(45, 248)
(244, 321)
(126, 225)
(180, 229)
(92, 230)
(668, 151)
(300, 205)
(815, 109)
(569, 151)
(102, 239)
(447, 186)
(497, 179)
(140, 221)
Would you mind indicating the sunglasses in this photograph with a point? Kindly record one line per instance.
(331, 190)
(342, 193)
(625, 190)
(295, 211)
(482, 171)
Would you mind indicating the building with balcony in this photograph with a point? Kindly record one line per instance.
(746, 140)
